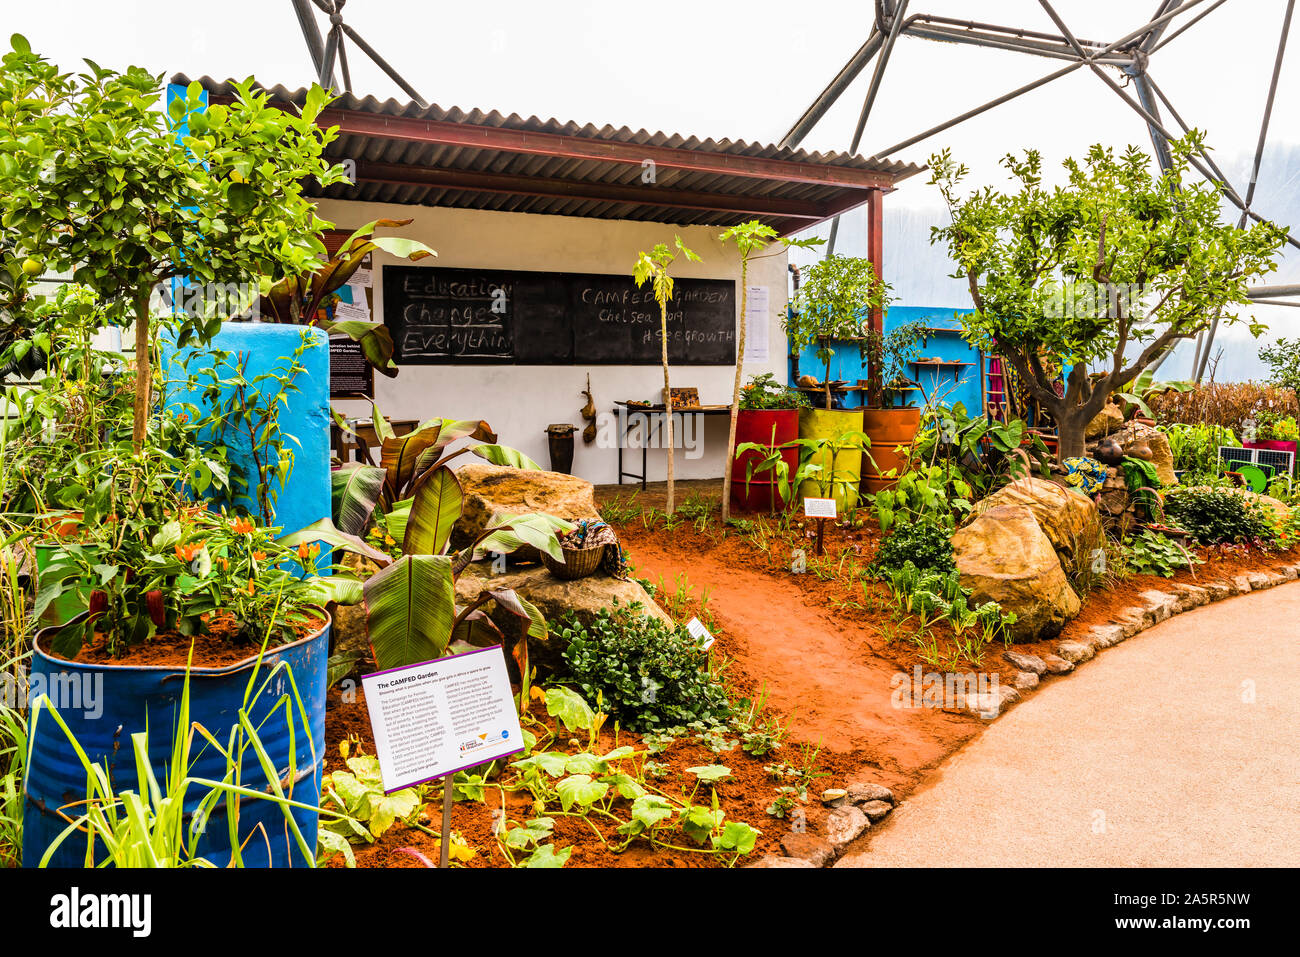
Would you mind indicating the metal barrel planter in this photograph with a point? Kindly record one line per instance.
(892, 432)
(763, 427)
(844, 468)
(103, 705)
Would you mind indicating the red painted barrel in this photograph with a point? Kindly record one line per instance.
(765, 427)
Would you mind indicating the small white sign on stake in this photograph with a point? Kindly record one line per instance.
(819, 508)
(433, 719)
(700, 633)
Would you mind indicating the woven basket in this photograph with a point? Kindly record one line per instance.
(578, 562)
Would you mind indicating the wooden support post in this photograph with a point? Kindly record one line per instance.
(876, 317)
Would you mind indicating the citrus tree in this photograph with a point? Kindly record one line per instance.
(1103, 274)
(837, 294)
(101, 179)
(652, 267)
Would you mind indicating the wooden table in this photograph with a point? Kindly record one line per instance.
(653, 427)
(364, 438)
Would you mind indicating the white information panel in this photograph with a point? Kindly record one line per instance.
(701, 634)
(819, 507)
(436, 718)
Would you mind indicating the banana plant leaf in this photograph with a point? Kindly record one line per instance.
(410, 610)
(504, 455)
(374, 338)
(435, 508)
(514, 531)
(399, 456)
(355, 492)
(325, 531)
(339, 589)
(397, 517)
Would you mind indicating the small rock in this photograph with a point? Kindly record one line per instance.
(1193, 596)
(1132, 620)
(1025, 662)
(1057, 666)
(773, 861)
(1026, 680)
(1290, 572)
(808, 847)
(1217, 591)
(1241, 584)
(834, 797)
(1259, 581)
(1160, 605)
(844, 825)
(1074, 651)
(863, 792)
(1106, 636)
(986, 704)
(876, 810)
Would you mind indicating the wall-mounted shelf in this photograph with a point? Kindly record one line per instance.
(938, 364)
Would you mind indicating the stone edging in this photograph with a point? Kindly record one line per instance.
(863, 804)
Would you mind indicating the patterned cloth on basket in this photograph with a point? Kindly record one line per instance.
(1085, 474)
(592, 532)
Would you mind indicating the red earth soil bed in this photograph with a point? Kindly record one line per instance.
(217, 648)
(744, 796)
(820, 648)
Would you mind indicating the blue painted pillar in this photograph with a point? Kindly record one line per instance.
(269, 348)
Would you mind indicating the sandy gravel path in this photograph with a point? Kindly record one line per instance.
(1180, 747)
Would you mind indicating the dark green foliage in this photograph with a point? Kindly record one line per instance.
(926, 545)
(649, 675)
(1217, 515)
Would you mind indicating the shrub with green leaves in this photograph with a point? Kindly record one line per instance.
(1217, 515)
(648, 674)
(926, 545)
(1152, 553)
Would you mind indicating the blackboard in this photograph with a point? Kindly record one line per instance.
(440, 316)
(350, 374)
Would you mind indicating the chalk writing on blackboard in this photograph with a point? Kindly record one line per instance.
(439, 315)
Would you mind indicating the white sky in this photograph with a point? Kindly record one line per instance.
(726, 69)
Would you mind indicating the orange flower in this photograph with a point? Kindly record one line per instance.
(251, 586)
(186, 553)
(307, 551)
(259, 556)
(241, 526)
(223, 563)
(182, 418)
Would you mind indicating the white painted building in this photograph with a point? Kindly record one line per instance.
(491, 192)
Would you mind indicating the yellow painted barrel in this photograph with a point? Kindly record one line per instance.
(846, 469)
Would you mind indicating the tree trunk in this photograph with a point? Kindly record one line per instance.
(828, 384)
(735, 395)
(143, 371)
(668, 404)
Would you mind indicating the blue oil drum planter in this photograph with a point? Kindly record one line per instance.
(103, 705)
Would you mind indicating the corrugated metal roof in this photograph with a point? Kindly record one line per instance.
(390, 169)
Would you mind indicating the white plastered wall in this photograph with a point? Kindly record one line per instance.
(521, 401)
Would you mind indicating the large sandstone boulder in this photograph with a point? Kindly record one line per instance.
(1109, 419)
(493, 490)
(1136, 434)
(1003, 556)
(1070, 519)
(554, 597)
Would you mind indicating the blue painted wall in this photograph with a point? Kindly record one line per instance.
(947, 345)
(305, 498)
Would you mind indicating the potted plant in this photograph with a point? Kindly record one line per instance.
(1275, 432)
(768, 418)
(892, 428)
(832, 305)
(188, 198)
